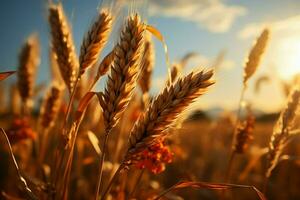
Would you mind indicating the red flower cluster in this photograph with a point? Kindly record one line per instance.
(20, 130)
(153, 158)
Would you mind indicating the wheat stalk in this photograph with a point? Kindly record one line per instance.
(62, 43)
(251, 65)
(282, 130)
(244, 134)
(164, 110)
(48, 115)
(255, 55)
(122, 79)
(29, 60)
(95, 40)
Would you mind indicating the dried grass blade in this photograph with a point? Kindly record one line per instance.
(84, 102)
(4, 75)
(29, 194)
(210, 186)
(154, 31)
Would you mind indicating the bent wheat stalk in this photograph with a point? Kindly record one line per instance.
(162, 112)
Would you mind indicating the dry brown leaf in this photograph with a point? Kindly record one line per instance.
(83, 103)
(4, 75)
(154, 31)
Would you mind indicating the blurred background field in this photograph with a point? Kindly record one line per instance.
(250, 113)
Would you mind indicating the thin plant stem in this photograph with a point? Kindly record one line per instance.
(99, 181)
(70, 104)
(265, 185)
(66, 176)
(72, 97)
(94, 83)
(64, 128)
(28, 191)
(229, 167)
(165, 192)
(43, 145)
(115, 176)
(141, 173)
(232, 154)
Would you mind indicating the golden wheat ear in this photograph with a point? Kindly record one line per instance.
(165, 109)
(283, 130)
(255, 55)
(124, 71)
(63, 45)
(147, 63)
(29, 60)
(50, 106)
(95, 40)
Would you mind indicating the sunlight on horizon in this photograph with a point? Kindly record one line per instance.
(287, 55)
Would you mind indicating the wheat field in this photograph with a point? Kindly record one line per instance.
(69, 138)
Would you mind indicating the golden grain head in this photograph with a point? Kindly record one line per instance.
(255, 55)
(165, 109)
(124, 71)
(63, 45)
(147, 63)
(51, 106)
(29, 60)
(95, 40)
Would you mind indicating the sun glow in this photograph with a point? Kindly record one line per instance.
(287, 57)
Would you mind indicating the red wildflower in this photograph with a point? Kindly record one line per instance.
(153, 157)
(20, 130)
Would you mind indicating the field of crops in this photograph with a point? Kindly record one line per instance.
(70, 139)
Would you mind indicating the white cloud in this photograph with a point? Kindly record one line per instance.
(213, 15)
(204, 61)
(288, 26)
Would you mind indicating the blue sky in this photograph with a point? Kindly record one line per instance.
(202, 26)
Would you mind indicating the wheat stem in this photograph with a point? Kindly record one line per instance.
(99, 181)
(114, 178)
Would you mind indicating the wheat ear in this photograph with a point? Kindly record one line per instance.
(122, 80)
(161, 114)
(48, 114)
(50, 106)
(255, 55)
(29, 60)
(147, 63)
(95, 40)
(63, 46)
(251, 65)
(164, 110)
(125, 67)
(282, 130)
